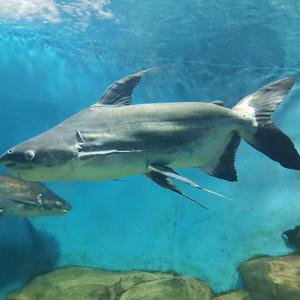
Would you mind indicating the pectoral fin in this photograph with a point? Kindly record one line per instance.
(24, 201)
(218, 102)
(90, 154)
(86, 149)
(163, 181)
(170, 173)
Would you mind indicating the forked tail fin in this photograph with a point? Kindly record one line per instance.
(265, 136)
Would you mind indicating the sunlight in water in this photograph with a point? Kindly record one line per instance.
(53, 12)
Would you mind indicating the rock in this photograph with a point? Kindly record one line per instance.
(238, 295)
(169, 289)
(268, 278)
(78, 283)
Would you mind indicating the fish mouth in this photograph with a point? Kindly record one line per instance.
(3, 159)
(66, 209)
(8, 162)
(60, 212)
(13, 161)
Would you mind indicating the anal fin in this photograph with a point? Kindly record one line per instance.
(224, 167)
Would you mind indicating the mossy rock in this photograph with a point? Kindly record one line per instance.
(237, 295)
(169, 289)
(76, 283)
(268, 278)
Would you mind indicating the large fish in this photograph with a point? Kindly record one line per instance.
(113, 138)
(29, 199)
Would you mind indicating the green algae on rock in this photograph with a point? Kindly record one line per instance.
(169, 288)
(272, 278)
(237, 295)
(77, 283)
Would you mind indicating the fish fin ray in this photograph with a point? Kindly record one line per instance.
(265, 136)
(79, 137)
(164, 182)
(119, 93)
(23, 201)
(89, 154)
(266, 99)
(224, 167)
(170, 173)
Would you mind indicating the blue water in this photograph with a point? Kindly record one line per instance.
(57, 57)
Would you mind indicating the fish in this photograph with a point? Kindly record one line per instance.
(291, 238)
(29, 199)
(114, 138)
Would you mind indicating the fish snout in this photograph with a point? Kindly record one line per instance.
(66, 208)
(62, 207)
(7, 159)
(3, 158)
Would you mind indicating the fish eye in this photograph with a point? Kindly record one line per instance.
(285, 237)
(58, 204)
(10, 151)
(29, 155)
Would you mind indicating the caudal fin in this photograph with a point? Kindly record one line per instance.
(265, 137)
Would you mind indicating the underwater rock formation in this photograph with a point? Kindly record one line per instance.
(78, 283)
(272, 278)
(168, 288)
(238, 295)
(264, 278)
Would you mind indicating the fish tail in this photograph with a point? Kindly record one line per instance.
(263, 134)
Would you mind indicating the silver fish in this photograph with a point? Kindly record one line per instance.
(29, 199)
(113, 138)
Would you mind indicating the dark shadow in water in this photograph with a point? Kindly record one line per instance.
(24, 251)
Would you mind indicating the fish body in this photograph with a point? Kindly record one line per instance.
(113, 138)
(29, 199)
(184, 141)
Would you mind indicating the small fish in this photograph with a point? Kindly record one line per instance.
(292, 238)
(29, 199)
(114, 138)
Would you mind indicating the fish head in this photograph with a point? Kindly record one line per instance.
(291, 238)
(41, 201)
(49, 203)
(38, 161)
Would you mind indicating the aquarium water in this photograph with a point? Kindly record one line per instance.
(58, 56)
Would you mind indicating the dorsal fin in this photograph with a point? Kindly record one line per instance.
(119, 93)
(223, 167)
(218, 102)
